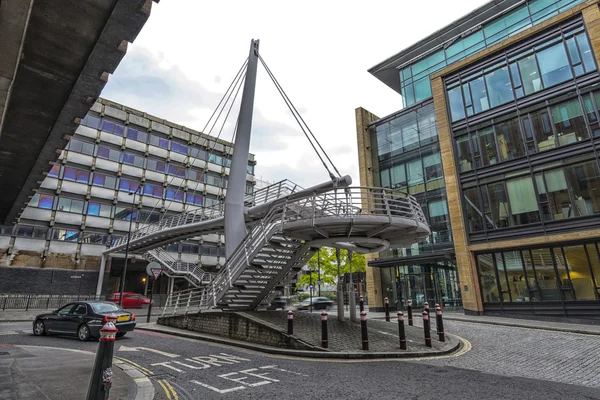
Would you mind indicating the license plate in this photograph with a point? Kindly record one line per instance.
(123, 318)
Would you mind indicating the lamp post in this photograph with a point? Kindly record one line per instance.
(319, 269)
(140, 186)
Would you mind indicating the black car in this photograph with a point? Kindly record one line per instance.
(318, 303)
(84, 319)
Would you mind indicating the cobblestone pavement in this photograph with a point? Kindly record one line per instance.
(510, 351)
(346, 335)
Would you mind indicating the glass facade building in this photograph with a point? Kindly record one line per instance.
(517, 125)
(84, 203)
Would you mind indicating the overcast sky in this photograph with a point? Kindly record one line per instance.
(189, 52)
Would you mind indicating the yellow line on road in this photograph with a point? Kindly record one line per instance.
(143, 370)
(175, 396)
(160, 382)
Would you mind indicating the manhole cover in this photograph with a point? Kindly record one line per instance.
(4, 353)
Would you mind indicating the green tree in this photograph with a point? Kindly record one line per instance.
(326, 259)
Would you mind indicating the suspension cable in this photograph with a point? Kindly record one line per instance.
(301, 121)
(226, 96)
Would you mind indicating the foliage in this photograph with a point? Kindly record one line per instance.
(326, 261)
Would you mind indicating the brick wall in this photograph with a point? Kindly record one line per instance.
(235, 326)
(48, 281)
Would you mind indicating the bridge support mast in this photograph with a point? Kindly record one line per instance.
(235, 226)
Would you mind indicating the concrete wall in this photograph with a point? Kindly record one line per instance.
(48, 281)
(235, 326)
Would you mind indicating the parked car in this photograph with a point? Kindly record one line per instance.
(130, 300)
(278, 302)
(84, 319)
(318, 303)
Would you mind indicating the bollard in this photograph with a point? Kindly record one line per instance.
(363, 329)
(426, 307)
(426, 328)
(387, 310)
(401, 332)
(324, 341)
(409, 309)
(290, 322)
(436, 326)
(101, 380)
(439, 323)
(362, 304)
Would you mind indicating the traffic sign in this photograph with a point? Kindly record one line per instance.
(311, 286)
(154, 269)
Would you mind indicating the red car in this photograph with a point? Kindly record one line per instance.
(130, 300)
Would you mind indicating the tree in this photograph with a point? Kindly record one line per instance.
(328, 265)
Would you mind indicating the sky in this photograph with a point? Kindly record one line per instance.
(189, 52)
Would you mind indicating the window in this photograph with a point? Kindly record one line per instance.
(415, 176)
(94, 238)
(91, 121)
(510, 141)
(249, 188)
(108, 153)
(148, 217)
(99, 210)
(153, 190)
(473, 210)
(128, 185)
(215, 159)
(540, 129)
(42, 201)
(197, 176)
(136, 135)
(479, 95)
(174, 194)
(195, 199)
(523, 201)
(155, 165)
(569, 122)
(488, 146)
(178, 147)
(112, 127)
(250, 169)
(530, 75)
(553, 195)
(211, 201)
(65, 235)
(81, 147)
(433, 167)
(583, 180)
(579, 272)
(499, 87)
(586, 52)
(498, 205)
(457, 106)
(54, 171)
(76, 175)
(70, 205)
(34, 232)
(197, 153)
(385, 178)
(214, 180)
(592, 252)
(465, 159)
(399, 177)
(159, 142)
(132, 159)
(104, 181)
(123, 213)
(177, 170)
(554, 65)
(190, 248)
(487, 278)
(507, 25)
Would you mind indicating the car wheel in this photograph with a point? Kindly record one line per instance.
(121, 334)
(39, 328)
(83, 333)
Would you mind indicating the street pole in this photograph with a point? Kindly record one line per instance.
(140, 186)
(340, 293)
(310, 271)
(150, 305)
(319, 269)
(351, 295)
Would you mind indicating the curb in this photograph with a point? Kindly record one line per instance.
(517, 325)
(144, 389)
(453, 345)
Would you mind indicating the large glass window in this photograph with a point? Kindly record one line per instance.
(544, 267)
(594, 257)
(498, 204)
(112, 127)
(530, 75)
(81, 147)
(128, 185)
(156, 165)
(70, 205)
(523, 203)
(488, 146)
(104, 181)
(553, 195)
(487, 278)
(474, 214)
(479, 95)
(177, 170)
(499, 87)
(99, 210)
(157, 141)
(385, 178)
(133, 159)
(540, 130)
(178, 147)
(510, 141)
(174, 194)
(584, 181)
(76, 175)
(108, 153)
(153, 190)
(579, 272)
(42, 201)
(465, 159)
(569, 122)
(554, 65)
(457, 106)
(415, 176)
(398, 177)
(137, 135)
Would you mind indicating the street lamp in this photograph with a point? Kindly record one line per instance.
(140, 186)
(310, 286)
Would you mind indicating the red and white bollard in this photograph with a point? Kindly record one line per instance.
(426, 307)
(362, 304)
(426, 328)
(409, 310)
(440, 324)
(363, 330)
(387, 309)
(290, 322)
(101, 380)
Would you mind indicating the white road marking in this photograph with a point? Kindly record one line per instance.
(163, 353)
(9, 333)
(221, 391)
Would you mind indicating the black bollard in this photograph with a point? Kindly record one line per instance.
(426, 328)
(362, 304)
(101, 380)
(439, 323)
(401, 332)
(437, 328)
(324, 341)
(426, 307)
(290, 322)
(409, 309)
(387, 309)
(363, 329)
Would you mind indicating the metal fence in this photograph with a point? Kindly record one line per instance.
(53, 302)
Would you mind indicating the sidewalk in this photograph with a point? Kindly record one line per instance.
(36, 372)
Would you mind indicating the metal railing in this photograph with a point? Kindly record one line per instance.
(41, 301)
(338, 203)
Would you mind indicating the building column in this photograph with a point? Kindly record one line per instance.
(465, 262)
(101, 275)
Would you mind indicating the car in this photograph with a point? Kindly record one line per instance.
(130, 300)
(84, 319)
(318, 303)
(278, 302)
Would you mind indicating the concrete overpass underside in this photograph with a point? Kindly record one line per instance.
(56, 59)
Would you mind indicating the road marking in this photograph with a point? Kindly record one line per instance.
(9, 332)
(143, 370)
(167, 392)
(220, 391)
(203, 362)
(173, 392)
(162, 353)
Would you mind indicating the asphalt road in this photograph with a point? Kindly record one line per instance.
(184, 369)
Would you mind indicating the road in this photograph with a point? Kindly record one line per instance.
(185, 369)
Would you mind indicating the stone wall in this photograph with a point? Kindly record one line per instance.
(48, 281)
(238, 326)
